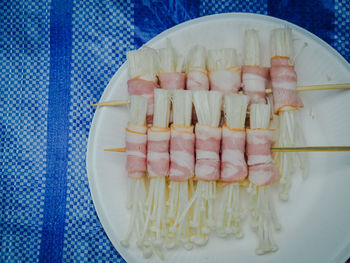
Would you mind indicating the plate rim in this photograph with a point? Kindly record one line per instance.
(343, 254)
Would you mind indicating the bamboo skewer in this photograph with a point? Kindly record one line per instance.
(268, 91)
(312, 149)
(324, 87)
(112, 103)
(282, 149)
(318, 87)
(122, 150)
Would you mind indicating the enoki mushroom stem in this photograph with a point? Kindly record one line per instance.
(136, 187)
(230, 213)
(180, 192)
(154, 231)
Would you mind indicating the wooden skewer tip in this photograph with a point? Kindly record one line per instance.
(115, 150)
(112, 103)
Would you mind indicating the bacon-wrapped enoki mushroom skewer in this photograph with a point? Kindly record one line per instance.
(171, 71)
(207, 168)
(154, 232)
(286, 102)
(254, 76)
(262, 174)
(233, 165)
(136, 141)
(181, 169)
(224, 73)
(171, 67)
(142, 72)
(197, 75)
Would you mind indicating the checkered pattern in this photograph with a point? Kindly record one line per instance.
(210, 7)
(24, 69)
(342, 27)
(102, 33)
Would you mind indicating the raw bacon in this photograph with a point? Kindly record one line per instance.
(145, 88)
(136, 144)
(264, 174)
(254, 80)
(181, 153)
(227, 81)
(207, 152)
(172, 81)
(197, 80)
(158, 151)
(284, 83)
(259, 142)
(262, 171)
(233, 164)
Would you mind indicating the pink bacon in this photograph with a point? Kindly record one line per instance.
(181, 153)
(145, 88)
(262, 171)
(172, 81)
(158, 151)
(233, 164)
(227, 81)
(254, 80)
(264, 174)
(136, 145)
(284, 83)
(197, 80)
(207, 152)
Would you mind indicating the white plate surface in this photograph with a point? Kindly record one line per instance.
(316, 220)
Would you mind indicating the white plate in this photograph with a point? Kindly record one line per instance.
(316, 220)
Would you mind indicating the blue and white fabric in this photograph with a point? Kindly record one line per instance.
(56, 58)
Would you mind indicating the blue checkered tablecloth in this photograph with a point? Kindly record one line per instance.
(56, 58)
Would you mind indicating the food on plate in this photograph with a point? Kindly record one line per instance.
(263, 173)
(154, 231)
(171, 69)
(233, 165)
(207, 168)
(286, 103)
(177, 204)
(136, 143)
(142, 81)
(224, 72)
(197, 75)
(254, 76)
(182, 160)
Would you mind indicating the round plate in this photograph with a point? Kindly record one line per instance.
(315, 221)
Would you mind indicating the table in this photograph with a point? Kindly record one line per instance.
(56, 59)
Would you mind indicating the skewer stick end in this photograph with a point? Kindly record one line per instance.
(115, 150)
(112, 103)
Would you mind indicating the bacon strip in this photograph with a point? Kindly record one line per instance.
(261, 169)
(136, 144)
(264, 174)
(158, 151)
(197, 80)
(145, 88)
(259, 142)
(172, 81)
(207, 152)
(284, 84)
(226, 81)
(254, 80)
(181, 153)
(233, 164)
